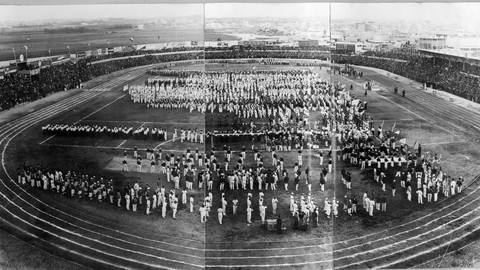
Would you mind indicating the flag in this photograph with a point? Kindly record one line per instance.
(394, 124)
(26, 48)
(383, 122)
(414, 144)
(131, 39)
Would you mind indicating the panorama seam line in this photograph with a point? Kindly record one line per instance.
(25, 201)
(371, 234)
(84, 221)
(92, 224)
(371, 250)
(369, 243)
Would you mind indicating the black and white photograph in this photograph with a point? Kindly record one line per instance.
(239, 135)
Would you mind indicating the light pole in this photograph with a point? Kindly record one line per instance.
(26, 52)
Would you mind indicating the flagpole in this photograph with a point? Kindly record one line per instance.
(26, 53)
(15, 56)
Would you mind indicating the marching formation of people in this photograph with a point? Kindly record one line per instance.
(116, 132)
(16, 89)
(285, 100)
(132, 197)
(449, 76)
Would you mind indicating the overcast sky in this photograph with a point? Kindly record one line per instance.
(229, 10)
(32, 13)
(468, 13)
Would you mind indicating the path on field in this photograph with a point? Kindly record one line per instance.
(445, 226)
(75, 235)
(440, 228)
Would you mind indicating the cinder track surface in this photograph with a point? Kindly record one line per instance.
(98, 243)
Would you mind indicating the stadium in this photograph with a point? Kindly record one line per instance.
(274, 155)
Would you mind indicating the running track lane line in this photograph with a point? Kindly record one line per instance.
(4, 149)
(368, 235)
(58, 246)
(338, 250)
(429, 250)
(44, 203)
(449, 252)
(61, 211)
(409, 239)
(96, 240)
(400, 233)
(371, 250)
(78, 244)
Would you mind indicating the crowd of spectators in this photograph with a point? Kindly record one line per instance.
(453, 77)
(16, 88)
(449, 76)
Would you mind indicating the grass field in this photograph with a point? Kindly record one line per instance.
(39, 43)
(102, 157)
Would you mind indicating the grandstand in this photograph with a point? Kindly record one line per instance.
(100, 235)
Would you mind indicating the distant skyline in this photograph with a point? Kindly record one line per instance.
(437, 13)
(279, 10)
(466, 14)
(90, 12)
